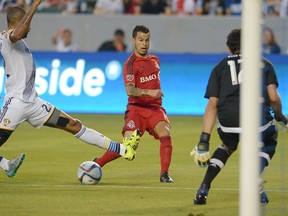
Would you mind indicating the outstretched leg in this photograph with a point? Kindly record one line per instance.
(65, 122)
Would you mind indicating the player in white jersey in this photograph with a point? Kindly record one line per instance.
(22, 103)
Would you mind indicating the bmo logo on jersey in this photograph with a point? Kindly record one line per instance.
(150, 77)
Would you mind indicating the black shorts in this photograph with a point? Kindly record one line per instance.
(230, 140)
(268, 137)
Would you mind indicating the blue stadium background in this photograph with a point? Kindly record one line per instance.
(92, 82)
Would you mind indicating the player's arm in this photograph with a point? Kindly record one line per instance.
(201, 151)
(210, 115)
(208, 124)
(24, 25)
(131, 90)
(276, 105)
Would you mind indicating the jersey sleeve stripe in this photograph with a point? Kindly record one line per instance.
(130, 64)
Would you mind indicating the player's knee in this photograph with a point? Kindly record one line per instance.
(69, 124)
(74, 125)
(267, 152)
(163, 131)
(57, 120)
(4, 136)
(229, 149)
(77, 124)
(265, 157)
(63, 121)
(264, 161)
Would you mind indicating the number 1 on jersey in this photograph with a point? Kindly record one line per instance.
(236, 80)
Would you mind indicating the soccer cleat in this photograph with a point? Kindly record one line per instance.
(14, 165)
(131, 145)
(201, 196)
(263, 196)
(135, 139)
(165, 177)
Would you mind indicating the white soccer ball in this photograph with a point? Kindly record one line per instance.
(89, 173)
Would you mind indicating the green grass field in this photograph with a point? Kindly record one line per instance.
(47, 185)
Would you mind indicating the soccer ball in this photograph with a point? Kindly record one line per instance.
(89, 173)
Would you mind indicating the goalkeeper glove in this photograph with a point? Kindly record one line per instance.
(283, 121)
(201, 151)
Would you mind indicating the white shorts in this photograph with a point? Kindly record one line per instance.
(15, 111)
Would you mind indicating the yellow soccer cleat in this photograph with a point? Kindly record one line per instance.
(131, 145)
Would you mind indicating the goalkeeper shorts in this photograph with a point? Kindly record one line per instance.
(268, 136)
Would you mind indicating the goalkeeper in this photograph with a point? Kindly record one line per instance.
(223, 92)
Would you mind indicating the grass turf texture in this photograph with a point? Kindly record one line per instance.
(47, 183)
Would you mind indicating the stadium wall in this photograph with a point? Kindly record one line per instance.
(88, 82)
(182, 34)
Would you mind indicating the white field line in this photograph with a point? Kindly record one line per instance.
(124, 187)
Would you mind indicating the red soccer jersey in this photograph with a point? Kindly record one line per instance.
(145, 74)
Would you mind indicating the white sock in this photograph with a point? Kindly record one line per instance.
(122, 149)
(93, 137)
(4, 163)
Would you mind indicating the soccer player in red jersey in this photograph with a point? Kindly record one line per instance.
(141, 74)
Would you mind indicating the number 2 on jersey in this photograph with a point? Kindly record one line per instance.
(48, 109)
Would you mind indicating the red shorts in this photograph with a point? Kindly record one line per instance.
(144, 118)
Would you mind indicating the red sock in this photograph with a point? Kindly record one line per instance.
(165, 152)
(107, 157)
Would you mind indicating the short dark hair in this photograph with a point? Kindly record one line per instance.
(140, 28)
(119, 32)
(234, 41)
(15, 14)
